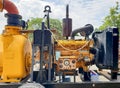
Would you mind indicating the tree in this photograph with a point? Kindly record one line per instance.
(35, 23)
(113, 19)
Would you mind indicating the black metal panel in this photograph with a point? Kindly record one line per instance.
(70, 85)
(10, 85)
(106, 45)
(115, 49)
(35, 74)
(115, 53)
(108, 49)
(84, 85)
(87, 76)
(38, 37)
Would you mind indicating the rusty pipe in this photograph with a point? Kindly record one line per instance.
(8, 6)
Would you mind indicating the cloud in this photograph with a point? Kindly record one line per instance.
(35, 8)
(2, 21)
(81, 11)
(90, 12)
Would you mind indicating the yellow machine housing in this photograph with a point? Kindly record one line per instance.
(15, 55)
(73, 54)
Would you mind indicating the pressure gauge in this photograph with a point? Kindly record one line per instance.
(66, 62)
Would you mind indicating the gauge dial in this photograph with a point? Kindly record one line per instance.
(66, 62)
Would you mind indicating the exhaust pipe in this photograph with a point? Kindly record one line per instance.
(84, 31)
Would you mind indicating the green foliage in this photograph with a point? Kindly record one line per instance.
(56, 25)
(35, 23)
(113, 19)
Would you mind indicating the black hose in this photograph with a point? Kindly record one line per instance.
(84, 31)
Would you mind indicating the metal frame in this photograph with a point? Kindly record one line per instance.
(84, 85)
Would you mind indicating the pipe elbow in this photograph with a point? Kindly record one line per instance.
(73, 34)
(1, 5)
(10, 7)
(84, 31)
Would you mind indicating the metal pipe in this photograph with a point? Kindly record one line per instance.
(13, 17)
(33, 51)
(10, 7)
(84, 31)
(48, 22)
(67, 11)
(42, 53)
(49, 64)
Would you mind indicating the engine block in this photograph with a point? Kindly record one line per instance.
(73, 54)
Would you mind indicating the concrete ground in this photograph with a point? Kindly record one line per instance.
(78, 77)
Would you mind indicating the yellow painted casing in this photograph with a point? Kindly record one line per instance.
(15, 57)
(79, 49)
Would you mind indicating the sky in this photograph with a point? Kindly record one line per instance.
(82, 12)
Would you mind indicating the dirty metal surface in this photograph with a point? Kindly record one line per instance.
(9, 85)
(84, 85)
